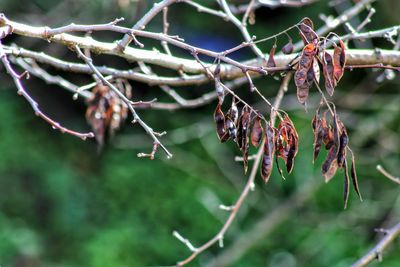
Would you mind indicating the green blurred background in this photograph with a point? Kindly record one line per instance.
(64, 204)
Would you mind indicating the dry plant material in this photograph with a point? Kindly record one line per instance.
(307, 33)
(271, 61)
(304, 75)
(256, 132)
(335, 138)
(289, 47)
(219, 119)
(105, 112)
(286, 143)
(244, 129)
(268, 153)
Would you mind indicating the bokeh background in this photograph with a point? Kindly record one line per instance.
(62, 203)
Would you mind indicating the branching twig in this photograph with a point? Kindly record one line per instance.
(35, 106)
(136, 117)
(377, 251)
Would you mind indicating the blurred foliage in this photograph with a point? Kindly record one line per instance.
(64, 204)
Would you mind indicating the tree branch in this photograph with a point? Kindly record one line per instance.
(377, 251)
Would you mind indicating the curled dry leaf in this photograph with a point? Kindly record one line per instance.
(105, 112)
(269, 151)
(256, 132)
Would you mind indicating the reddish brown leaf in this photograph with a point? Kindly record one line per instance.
(269, 151)
(246, 117)
(256, 132)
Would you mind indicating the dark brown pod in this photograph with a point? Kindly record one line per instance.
(269, 151)
(256, 132)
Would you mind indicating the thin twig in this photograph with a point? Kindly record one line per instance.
(377, 251)
(35, 106)
(136, 117)
(387, 174)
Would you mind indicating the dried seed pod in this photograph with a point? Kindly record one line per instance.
(343, 141)
(271, 61)
(329, 163)
(278, 151)
(269, 151)
(316, 70)
(318, 136)
(256, 132)
(354, 176)
(106, 112)
(288, 48)
(307, 33)
(339, 60)
(328, 71)
(346, 190)
(219, 119)
(231, 127)
(304, 74)
(220, 91)
(287, 142)
(239, 129)
(330, 171)
(245, 121)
